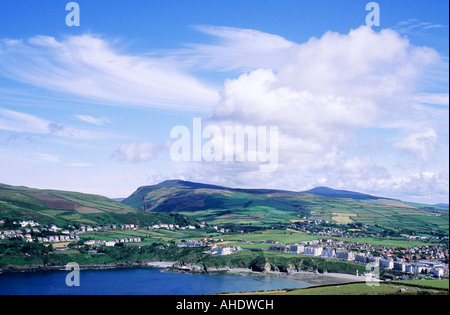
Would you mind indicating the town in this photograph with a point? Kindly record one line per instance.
(353, 230)
(426, 260)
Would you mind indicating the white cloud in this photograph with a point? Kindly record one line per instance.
(90, 67)
(26, 123)
(48, 158)
(137, 152)
(80, 164)
(421, 144)
(22, 122)
(92, 120)
(237, 49)
(432, 98)
(320, 94)
(414, 25)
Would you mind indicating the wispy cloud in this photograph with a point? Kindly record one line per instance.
(48, 158)
(236, 49)
(27, 123)
(414, 25)
(80, 164)
(441, 99)
(93, 120)
(89, 67)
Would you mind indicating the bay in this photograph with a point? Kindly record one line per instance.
(141, 281)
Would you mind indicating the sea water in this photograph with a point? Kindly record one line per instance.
(142, 281)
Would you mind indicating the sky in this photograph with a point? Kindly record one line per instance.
(108, 104)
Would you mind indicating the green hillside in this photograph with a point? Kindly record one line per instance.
(263, 208)
(65, 208)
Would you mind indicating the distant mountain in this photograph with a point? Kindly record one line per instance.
(329, 192)
(182, 183)
(267, 207)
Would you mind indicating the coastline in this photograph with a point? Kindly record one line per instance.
(38, 268)
(315, 279)
(306, 276)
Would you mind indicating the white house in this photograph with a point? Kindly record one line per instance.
(297, 248)
(225, 250)
(313, 251)
(345, 255)
(386, 263)
(329, 252)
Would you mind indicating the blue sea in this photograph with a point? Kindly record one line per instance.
(144, 281)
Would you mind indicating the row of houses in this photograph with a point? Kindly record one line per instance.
(30, 223)
(429, 267)
(325, 252)
(113, 243)
(224, 250)
(57, 238)
(190, 243)
(170, 227)
(194, 243)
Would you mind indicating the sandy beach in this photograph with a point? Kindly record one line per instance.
(161, 264)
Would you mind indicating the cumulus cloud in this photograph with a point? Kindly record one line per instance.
(137, 152)
(421, 144)
(320, 94)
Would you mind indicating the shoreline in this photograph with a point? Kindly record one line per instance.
(306, 276)
(311, 278)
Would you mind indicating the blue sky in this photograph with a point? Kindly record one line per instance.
(90, 108)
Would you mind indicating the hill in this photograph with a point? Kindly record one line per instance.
(66, 208)
(408, 287)
(262, 208)
(329, 192)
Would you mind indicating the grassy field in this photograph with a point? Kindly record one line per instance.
(244, 240)
(282, 236)
(434, 287)
(150, 236)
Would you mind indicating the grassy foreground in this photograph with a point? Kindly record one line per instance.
(420, 287)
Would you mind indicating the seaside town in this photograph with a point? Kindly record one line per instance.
(426, 260)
